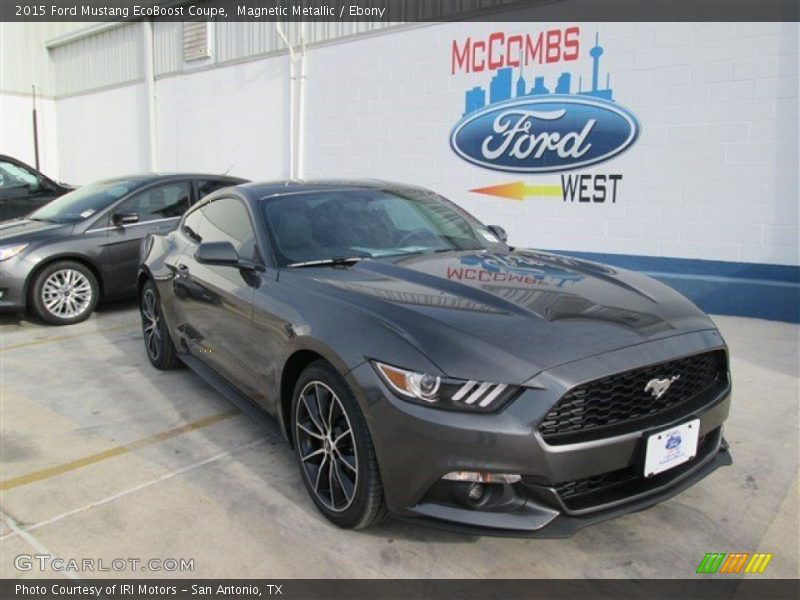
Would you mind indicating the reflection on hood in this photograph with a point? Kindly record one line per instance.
(525, 284)
(553, 306)
(519, 267)
(515, 311)
(412, 294)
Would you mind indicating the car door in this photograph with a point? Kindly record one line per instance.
(21, 190)
(156, 209)
(215, 302)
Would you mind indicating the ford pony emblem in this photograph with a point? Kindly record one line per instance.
(659, 387)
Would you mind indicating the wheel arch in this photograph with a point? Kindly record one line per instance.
(141, 278)
(296, 362)
(78, 258)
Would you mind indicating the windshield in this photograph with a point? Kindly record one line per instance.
(370, 224)
(83, 203)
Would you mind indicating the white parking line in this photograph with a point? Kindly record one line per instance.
(23, 532)
(17, 529)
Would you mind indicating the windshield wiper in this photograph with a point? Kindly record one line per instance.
(339, 261)
(417, 252)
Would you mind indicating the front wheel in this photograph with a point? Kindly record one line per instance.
(157, 341)
(334, 449)
(65, 292)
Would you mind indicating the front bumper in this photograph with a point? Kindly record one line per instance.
(13, 275)
(416, 446)
(520, 523)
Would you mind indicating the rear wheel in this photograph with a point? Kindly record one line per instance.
(157, 341)
(334, 449)
(65, 292)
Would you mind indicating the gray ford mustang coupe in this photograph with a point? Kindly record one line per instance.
(423, 368)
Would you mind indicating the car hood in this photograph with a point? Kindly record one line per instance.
(507, 316)
(27, 231)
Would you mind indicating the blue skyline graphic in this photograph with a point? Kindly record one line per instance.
(502, 85)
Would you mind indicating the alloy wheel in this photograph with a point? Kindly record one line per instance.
(151, 324)
(67, 293)
(326, 446)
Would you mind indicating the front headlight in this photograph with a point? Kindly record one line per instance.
(449, 394)
(8, 251)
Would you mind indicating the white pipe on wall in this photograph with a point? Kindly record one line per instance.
(292, 126)
(150, 86)
(301, 110)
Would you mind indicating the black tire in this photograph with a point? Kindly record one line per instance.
(158, 343)
(64, 292)
(365, 506)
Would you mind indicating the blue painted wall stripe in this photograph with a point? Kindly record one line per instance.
(722, 288)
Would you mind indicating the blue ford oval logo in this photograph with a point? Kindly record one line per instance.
(544, 135)
(673, 441)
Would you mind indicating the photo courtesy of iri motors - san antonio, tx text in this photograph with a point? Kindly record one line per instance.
(539, 104)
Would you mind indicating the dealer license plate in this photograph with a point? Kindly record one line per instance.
(670, 448)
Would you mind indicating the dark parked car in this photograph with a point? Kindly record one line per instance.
(421, 367)
(84, 246)
(23, 189)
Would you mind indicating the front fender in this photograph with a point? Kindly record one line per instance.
(346, 342)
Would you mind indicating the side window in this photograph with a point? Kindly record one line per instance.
(13, 176)
(224, 220)
(162, 202)
(206, 186)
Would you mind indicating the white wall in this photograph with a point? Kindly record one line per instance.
(714, 174)
(24, 62)
(216, 120)
(103, 134)
(24, 59)
(16, 131)
(232, 118)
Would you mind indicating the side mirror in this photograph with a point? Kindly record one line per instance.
(125, 218)
(499, 232)
(217, 253)
(46, 185)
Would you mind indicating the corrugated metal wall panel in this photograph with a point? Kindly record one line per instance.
(108, 58)
(237, 40)
(24, 61)
(168, 45)
(115, 56)
(241, 40)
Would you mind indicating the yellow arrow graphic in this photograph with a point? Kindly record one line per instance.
(519, 190)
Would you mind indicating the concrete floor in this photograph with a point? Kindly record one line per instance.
(104, 457)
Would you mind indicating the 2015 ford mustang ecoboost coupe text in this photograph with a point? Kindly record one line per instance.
(423, 368)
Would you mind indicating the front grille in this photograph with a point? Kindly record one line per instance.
(619, 403)
(596, 484)
(618, 485)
